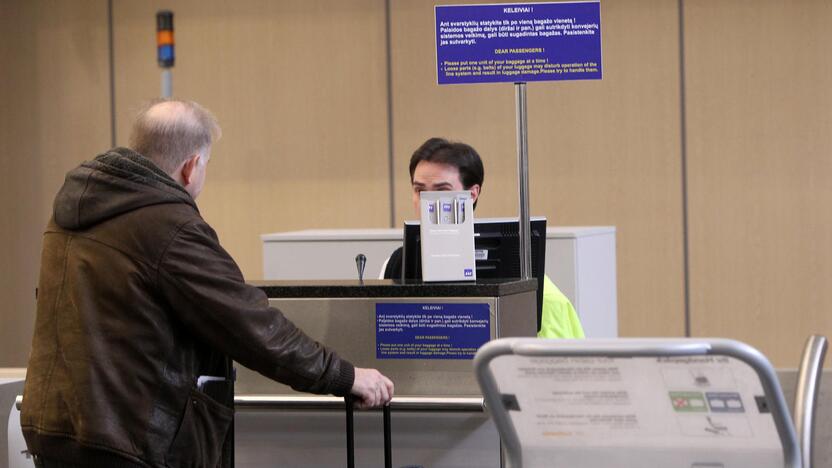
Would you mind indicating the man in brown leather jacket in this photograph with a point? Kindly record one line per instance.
(137, 299)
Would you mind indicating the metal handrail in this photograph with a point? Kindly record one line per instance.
(806, 395)
(306, 402)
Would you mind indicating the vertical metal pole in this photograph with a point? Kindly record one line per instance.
(167, 83)
(806, 395)
(523, 182)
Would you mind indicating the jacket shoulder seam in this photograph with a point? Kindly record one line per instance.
(73, 235)
(165, 251)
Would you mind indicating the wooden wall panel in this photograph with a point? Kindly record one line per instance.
(759, 99)
(601, 152)
(300, 90)
(54, 113)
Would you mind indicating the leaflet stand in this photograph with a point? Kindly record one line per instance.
(692, 403)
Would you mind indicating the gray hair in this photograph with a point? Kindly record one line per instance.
(169, 131)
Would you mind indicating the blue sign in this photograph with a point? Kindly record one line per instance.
(431, 331)
(518, 42)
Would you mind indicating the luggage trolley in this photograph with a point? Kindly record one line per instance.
(687, 403)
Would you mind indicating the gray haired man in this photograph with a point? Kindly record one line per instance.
(137, 299)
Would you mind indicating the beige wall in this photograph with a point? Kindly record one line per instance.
(759, 101)
(301, 90)
(54, 112)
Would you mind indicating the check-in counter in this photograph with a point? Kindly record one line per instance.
(580, 260)
(438, 416)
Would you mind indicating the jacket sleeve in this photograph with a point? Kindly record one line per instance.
(207, 294)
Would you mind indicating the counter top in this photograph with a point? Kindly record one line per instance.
(395, 234)
(394, 288)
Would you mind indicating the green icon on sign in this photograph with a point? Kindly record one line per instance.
(688, 402)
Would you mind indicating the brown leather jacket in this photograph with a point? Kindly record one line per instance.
(136, 299)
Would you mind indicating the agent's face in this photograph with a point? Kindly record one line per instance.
(436, 177)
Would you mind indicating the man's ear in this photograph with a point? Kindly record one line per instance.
(188, 169)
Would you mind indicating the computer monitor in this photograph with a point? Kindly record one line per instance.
(496, 250)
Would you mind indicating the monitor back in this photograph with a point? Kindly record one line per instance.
(496, 250)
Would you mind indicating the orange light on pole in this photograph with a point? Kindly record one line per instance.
(164, 38)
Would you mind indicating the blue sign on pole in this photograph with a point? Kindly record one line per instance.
(518, 42)
(431, 331)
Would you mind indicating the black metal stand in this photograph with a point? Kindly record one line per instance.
(350, 433)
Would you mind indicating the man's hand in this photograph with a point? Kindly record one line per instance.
(372, 388)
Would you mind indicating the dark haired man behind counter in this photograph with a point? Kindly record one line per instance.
(137, 300)
(442, 165)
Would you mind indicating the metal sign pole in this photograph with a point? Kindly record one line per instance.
(167, 83)
(523, 182)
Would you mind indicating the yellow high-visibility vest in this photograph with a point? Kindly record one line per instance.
(558, 318)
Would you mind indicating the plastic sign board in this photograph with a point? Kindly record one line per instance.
(682, 411)
(518, 42)
(431, 331)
